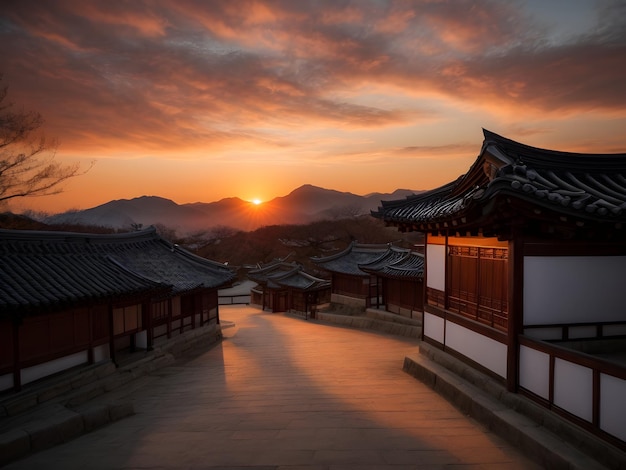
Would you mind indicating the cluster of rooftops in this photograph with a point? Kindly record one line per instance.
(510, 187)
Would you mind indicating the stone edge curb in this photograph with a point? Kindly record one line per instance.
(61, 427)
(361, 322)
(73, 418)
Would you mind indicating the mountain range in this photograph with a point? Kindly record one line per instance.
(303, 205)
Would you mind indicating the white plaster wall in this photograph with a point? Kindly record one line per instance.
(534, 371)
(235, 299)
(141, 339)
(573, 388)
(30, 374)
(614, 330)
(434, 327)
(613, 406)
(6, 381)
(101, 352)
(573, 289)
(544, 333)
(575, 332)
(436, 267)
(485, 351)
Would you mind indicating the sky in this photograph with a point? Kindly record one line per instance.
(197, 100)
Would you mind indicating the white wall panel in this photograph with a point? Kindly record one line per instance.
(573, 388)
(574, 289)
(614, 330)
(575, 332)
(544, 333)
(613, 405)
(534, 373)
(436, 267)
(101, 352)
(486, 351)
(30, 374)
(434, 327)
(6, 381)
(141, 339)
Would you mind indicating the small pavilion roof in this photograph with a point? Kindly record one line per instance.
(281, 274)
(40, 269)
(356, 254)
(275, 268)
(511, 184)
(409, 266)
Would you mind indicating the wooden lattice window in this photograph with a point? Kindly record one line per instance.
(477, 284)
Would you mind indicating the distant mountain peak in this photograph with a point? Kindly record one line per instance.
(303, 205)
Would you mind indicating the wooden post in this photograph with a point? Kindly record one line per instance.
(90, 358)
(169, 317)
(17, 374)
(111, 335)
(424, 284)
(515, 323)
(147, 307)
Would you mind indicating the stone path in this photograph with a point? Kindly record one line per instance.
(287, 394)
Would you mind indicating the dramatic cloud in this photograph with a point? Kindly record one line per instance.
(222, 80)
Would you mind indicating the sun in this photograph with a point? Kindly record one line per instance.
(256, 202)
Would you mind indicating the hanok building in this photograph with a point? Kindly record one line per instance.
(526, 273)
(399, 282)
(283, 287)
(68, 299)
(358, 274)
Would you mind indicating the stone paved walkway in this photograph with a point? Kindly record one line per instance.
(288, 394)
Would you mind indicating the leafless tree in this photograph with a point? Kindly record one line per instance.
(27, 166)
(345, 212)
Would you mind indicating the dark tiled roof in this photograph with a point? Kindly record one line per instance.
(55, 269)
(302, 281)
(281, 274)
(349, 260)
(273, 269)
(409, 266)
(391, 256)
(581, 188)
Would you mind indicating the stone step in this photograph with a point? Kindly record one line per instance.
(62, 407)
(554, 441)
(384, 315)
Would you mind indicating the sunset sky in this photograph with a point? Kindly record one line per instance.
(201, 100)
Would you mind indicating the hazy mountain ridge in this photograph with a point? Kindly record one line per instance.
(303, 205)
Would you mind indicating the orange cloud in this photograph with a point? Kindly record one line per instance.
(221, 79)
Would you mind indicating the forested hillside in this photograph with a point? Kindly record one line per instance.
(301, 242)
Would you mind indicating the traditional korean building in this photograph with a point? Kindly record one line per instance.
(283, 287)
(525, 274)
(68, 299)
(399, 282)
(349, 283)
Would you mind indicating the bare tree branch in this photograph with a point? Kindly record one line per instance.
(27, 166)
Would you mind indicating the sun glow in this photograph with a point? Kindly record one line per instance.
(256, 202)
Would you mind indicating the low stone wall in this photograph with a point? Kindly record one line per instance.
(364, 322)
(347, 300)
